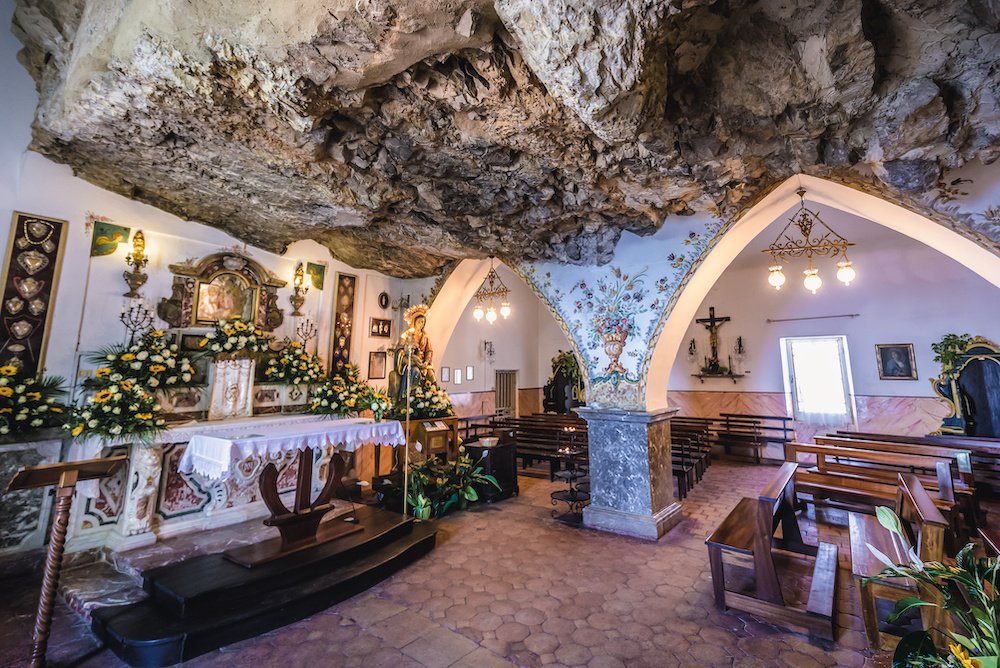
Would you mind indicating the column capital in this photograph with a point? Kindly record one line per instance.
(622, 415)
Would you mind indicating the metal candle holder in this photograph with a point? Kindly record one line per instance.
(136, 318)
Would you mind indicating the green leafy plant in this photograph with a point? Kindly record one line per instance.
(567, 364)
(294, 366)
(151, 361)
(347, 394)
(447, 483)
(948, 352)
(28, 404)
(427, 400)
(968, 592)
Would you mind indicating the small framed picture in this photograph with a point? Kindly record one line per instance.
(468, 372)
(445, 374)
(456, 376)
(380, 328)
(896, 361)
(383, 300)
(376, 364)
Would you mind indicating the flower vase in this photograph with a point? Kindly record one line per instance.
(377, 415)
(614, 346)
(423, 514)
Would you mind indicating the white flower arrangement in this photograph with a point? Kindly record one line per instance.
(235, 336)
(294, 366)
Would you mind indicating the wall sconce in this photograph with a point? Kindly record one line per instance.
(692, 351)
(137, 260)
(299, 290)
(489, 351)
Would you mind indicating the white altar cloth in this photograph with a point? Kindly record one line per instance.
(214, 456)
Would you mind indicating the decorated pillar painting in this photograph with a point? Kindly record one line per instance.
(343, 321)
(33, 262)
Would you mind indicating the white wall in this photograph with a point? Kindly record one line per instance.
(906, 292)
(526, 341)
(33, 184)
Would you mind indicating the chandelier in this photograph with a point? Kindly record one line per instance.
(817, 238)
(489, 293)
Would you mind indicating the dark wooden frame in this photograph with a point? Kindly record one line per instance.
(373, 357)
(879, 347)
(378, 325)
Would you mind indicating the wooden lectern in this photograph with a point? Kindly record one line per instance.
(65, 475)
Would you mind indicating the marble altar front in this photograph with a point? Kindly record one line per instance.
(154, 499)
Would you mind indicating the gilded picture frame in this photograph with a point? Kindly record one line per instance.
(896, 361)
(225, 295)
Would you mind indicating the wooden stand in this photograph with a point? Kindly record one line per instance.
(65, 476)
(300, 526)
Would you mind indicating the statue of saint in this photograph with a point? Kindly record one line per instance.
(414, 355)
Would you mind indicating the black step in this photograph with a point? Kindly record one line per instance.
(143, 635)
(211, 583)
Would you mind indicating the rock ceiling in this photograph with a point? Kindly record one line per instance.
(406, 134)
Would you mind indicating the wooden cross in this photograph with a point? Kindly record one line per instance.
(712, 324)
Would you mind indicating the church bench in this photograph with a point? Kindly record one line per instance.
(985, 452)
(753, 431)
(537, 439)
(964, 487)
(928, 530)
(748, 534)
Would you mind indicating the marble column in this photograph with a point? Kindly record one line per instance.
(631, 474)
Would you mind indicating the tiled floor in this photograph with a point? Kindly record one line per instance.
(507, 584)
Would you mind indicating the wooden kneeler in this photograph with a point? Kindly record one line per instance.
(65, 475)
(749, 530)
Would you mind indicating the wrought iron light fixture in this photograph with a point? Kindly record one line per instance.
(489, 293)
(137, 260)
(299, 290)
(817, 238)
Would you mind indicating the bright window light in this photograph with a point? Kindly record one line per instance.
(818, 384)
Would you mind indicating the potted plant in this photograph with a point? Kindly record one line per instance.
(448, 483)
(969, 594)
(948, 351)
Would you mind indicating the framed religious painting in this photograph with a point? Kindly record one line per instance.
(343, 321)
(226, 295)
(376, 364)
(896, 361)
(34, 258)
(380, 328)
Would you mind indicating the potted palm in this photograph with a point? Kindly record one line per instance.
(969, 594)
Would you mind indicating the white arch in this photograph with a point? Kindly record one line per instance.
(674, 323)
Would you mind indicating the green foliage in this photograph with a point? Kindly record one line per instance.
(151, 361)
(28, 404)
(968, 592)
(441, 484)
(948, 352)
(566, 363)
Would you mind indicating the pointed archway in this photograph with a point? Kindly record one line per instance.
(673, 324)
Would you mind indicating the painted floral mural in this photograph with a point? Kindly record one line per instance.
(613, 318)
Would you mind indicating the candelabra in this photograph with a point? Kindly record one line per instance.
(137, 260)
(306, 331)
(136, 318)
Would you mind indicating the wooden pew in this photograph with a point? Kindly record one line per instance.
(929, 528)
(748, 531)
(753, 432)
(985, 452)
(858, 480)
(539, 438)
(965, 484)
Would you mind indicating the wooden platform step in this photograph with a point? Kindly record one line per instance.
(211, 583)
(148, 635)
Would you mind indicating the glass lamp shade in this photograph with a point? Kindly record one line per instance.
(491, 315)
(812, 281)
(478, 312)
(845, 272)
(505, 310)
(776, 278)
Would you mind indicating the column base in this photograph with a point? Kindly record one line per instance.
(647, 527)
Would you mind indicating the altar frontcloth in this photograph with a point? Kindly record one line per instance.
(214, 456)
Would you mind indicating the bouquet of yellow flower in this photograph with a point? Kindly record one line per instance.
(233, 336)
(294, 366)
(119, 410)
(27, 404)
(347, 394)
(427, 400)
(150, 361)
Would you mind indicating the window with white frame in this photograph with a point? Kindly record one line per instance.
(818, 387)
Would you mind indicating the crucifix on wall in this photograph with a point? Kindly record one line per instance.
(712, 324)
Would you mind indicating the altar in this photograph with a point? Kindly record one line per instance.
(204, 475)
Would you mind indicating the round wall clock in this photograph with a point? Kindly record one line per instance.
(383, 300)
